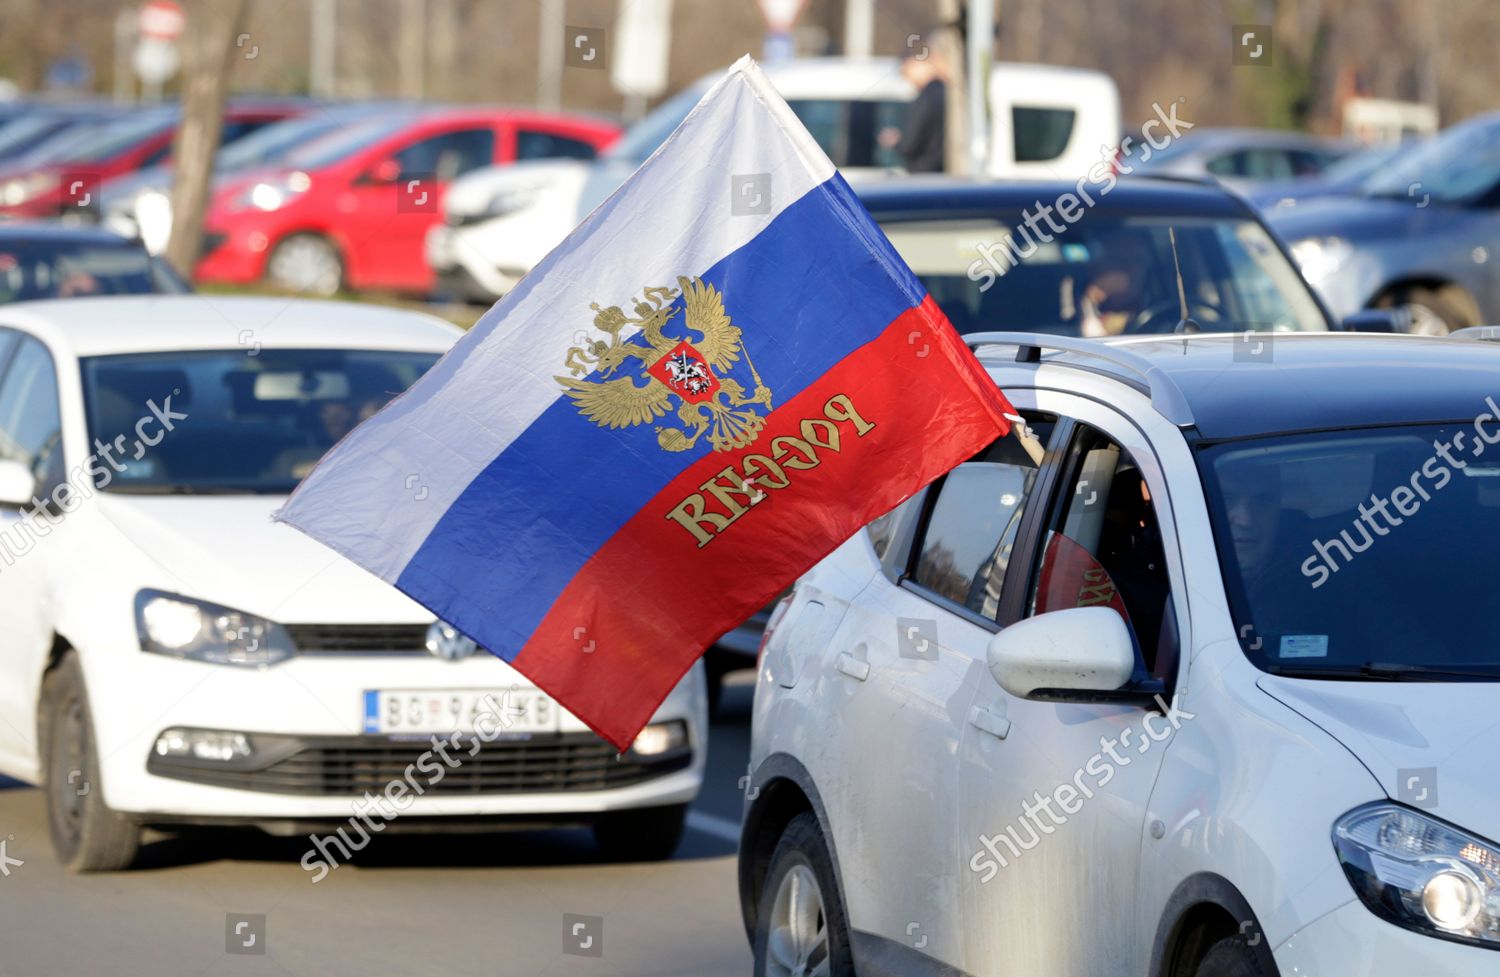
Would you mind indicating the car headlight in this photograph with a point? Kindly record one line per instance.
(1421, 873)
(274, 194)
(170, 624)
(24, 188)
(1319, 257)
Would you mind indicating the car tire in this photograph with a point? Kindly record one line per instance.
(800, 882)
(643, 834)
(86, 835)
(308, 264)
(1231, 957)
(1431, 314)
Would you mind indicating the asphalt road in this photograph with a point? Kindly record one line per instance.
(486, 905)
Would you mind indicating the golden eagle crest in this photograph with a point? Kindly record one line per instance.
(695, 371)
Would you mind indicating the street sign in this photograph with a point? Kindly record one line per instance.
(781, 15)
(154, 60)
(162, 20)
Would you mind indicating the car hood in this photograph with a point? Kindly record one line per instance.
(225, 549)
(1359, 219)
(1439, 732)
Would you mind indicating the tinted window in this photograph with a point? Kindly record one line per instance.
(447, 156)
(534, 144)
(1253, 164)
(44, 269)
(1041, 134)
(30, 423)
(973, 523)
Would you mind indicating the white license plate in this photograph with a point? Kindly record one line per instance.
(459, 710)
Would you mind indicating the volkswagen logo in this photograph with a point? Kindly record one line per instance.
(446, 643)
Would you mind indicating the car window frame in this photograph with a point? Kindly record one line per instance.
(911, 539)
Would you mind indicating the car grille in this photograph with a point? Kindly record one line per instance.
(325, 638)
(351, 766)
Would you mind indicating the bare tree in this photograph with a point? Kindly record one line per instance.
(208, 53)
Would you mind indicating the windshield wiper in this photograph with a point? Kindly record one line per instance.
(1386, 671)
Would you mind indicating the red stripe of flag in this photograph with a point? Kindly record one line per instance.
(651, 599)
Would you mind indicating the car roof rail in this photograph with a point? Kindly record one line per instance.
(1480, 334)
(1165, 395)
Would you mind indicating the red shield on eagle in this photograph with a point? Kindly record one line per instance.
(686, 373)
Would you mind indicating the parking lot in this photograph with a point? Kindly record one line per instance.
(439, 905)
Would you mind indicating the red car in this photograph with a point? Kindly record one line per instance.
(352, 209)
(64, 175)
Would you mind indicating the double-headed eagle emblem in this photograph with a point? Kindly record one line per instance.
(696, 371)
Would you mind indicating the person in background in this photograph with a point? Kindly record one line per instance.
(922, 143)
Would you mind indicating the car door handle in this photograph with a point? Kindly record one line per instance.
(853, 667)
(986, 721)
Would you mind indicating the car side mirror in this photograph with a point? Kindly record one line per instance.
(383, 172)
(1085, 649)
(1377, 320)
(17, 484)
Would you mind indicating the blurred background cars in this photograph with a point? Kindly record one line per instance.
(1239, 158)
(352, 208)
(64, 176)
(1343, 177)
(1109, 273)
(33, 125)
(498, 223)
(43, 261)
(1419, 236)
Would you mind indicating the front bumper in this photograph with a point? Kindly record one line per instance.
(459, 258)
(1352, 940)
(305, 717)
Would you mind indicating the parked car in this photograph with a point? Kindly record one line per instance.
(498, 223)
(139, 204)
(1345, 177)
(25, 131)
(1240, 158)
(1420, 236)
(63, 178)
(190, 661)
(45, 261)
(1152, 706)
(351, 210)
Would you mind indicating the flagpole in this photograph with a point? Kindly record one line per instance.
(1027, 437)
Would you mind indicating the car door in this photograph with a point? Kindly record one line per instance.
(31, 433)
(1052, 795)
(908, 657)
(397, 201)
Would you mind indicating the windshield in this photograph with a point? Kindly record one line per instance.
(1352, 547)
(109, 141)
(60, 269)
(1107, 274)
(1358, 167)
(1456, 167)
(17, 135)
(255, 423)
(343, 142)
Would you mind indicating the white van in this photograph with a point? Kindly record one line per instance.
(500, 221)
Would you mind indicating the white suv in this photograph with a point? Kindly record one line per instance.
(1211, 692)
(169, 655)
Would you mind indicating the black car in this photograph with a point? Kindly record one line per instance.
(48, 261)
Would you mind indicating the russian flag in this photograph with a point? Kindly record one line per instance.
(721, 375)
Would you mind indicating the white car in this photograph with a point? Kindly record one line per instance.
(1209, 692)
(169, 655)
(1048, 123)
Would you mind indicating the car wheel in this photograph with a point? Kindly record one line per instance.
(1430, 313)
(800, 930)
(1232, 957)
(643, 834)
(307, 263)
(86, 834)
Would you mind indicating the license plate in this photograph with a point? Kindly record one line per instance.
(459, 710)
